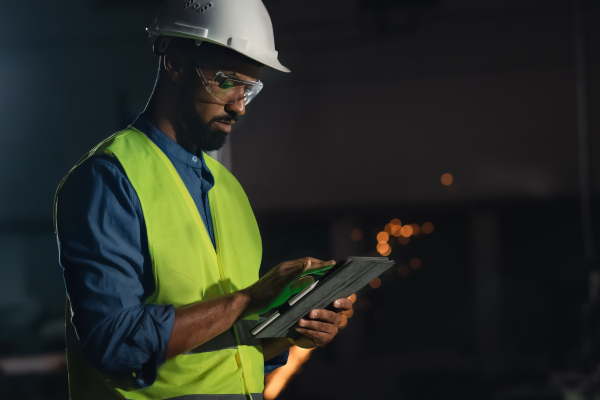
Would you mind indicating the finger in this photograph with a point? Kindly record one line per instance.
(302, 261)
(308, 263)
(320, 338)
(325, 316)
(318, 267)
(301, 284)
(342, 304)
(318, 326)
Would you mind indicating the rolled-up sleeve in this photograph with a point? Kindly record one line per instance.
(103, 250)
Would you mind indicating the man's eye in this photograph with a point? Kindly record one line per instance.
(225, 84)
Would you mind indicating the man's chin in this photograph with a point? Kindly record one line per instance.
(214, 142)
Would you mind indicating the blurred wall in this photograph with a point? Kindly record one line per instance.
(483, 90)
(387, 104)
(384, 97)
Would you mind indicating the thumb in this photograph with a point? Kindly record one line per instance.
(301, 284)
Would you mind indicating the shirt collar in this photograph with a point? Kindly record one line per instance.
(171, 148)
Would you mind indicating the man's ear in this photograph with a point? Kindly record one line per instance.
(174, 63)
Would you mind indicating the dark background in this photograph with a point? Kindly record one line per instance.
(384, 97)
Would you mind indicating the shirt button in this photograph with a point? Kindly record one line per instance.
(195, 159)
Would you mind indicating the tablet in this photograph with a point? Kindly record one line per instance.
(342, 280)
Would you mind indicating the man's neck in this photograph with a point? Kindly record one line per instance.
(167, 123)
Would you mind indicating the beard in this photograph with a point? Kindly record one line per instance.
(196, 129)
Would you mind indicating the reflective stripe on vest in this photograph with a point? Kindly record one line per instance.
(255, 396)
(226, 340)
(187, 269)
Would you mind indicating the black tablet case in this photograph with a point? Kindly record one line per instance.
(352, 274)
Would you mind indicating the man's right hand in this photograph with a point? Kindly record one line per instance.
(282, 282)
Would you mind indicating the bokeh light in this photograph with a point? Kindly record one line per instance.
(427, 228)
(403, 270)
(388, 229)
(415, 263)
(406, 230)
(348, 314)
(383, 247)
(375, 283)
(352, 298)
(395, 221)
(416, 229)
(277, 380)
(357, 235)
(396, 229)
(383, 237)
(447, 179)
(344, 321)
(403, 240)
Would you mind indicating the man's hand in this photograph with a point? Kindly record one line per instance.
(281, 282)
(321, 326)
(197, 323)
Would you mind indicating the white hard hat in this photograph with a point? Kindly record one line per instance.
(241, 25)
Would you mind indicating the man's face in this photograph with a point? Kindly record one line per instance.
(205, 120)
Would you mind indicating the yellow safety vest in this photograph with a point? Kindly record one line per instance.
(187, 269)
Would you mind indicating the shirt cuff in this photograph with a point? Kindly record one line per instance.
(153, 335)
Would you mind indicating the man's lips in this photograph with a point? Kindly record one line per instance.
(225, 126)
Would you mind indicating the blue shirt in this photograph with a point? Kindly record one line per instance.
(103, 249)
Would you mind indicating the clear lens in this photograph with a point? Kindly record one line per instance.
(227, 88)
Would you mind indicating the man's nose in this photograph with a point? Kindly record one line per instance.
(239, 108)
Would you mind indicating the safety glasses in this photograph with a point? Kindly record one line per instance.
(227, 89)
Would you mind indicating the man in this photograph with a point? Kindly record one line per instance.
(158, 242)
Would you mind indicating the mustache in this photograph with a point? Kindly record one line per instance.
(226, 118)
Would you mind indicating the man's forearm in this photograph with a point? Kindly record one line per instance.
(198, 323)
(274, 346)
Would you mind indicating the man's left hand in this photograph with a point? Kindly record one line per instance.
(321, 326)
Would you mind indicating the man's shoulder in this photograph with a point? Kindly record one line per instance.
(97, 174)
(97, 186)
(96, 167)
(103, 161)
